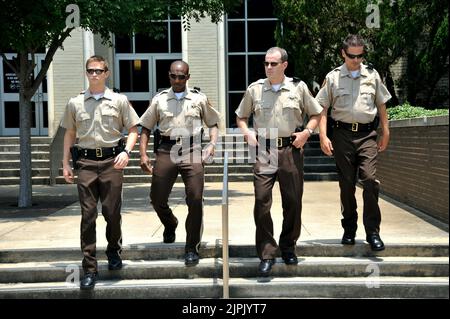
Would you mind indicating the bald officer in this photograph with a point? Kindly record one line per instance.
(99, 116)
(356, 95)
(179, 113)
(279, 104)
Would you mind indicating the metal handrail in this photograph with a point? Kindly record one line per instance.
(225, 262)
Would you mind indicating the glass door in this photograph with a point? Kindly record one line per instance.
(140, 76)
(9, 102)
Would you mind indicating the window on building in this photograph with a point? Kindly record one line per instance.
(250, 33)
(170, 42)
(142, 63)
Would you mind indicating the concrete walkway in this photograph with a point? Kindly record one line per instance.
(51, 224)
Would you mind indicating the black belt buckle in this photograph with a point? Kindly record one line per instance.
(355, 127)
(179, 140)
(98, 152)
(279, 142)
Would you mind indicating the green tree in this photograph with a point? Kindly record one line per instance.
(414, 29)
(29, 25)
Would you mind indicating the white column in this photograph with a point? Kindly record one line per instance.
(184, 43)
(88, 49)
(221, 84)
(52, 126)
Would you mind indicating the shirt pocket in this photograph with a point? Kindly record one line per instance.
(290, 109)
(166, 119)
(83, 120)
(110, 116)
(263, 112)
(367, 97)
(193, 118)
(342, 98)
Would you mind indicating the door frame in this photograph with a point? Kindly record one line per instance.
(38, 98)
(152, 58)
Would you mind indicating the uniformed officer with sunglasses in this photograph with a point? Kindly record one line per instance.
(354, 100)
(279, 106)
(179, 112)
(98, 116)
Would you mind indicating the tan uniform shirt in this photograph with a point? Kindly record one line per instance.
(353, 100)
(179, 116)
(285, 109)
(99, 123)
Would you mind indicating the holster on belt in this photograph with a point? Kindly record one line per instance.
(75, 156)
(156, 140)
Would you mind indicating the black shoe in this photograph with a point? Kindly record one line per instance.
(114, 262)
(191, 259)
(375, 242)
(348, 239)
(88, 281)
(289, 258)
(265, 266)
(169, 234)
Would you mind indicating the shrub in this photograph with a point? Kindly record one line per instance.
(406, 111)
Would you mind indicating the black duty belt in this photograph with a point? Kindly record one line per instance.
(280, 142)
(355, 127)
(179, 140)
(101, 153)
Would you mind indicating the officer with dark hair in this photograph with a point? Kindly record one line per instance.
(357, 98)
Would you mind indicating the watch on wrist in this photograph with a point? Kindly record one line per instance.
(127, 151)
(311, 131)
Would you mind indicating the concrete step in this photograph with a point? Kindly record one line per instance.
(16, 148)
(34, 140)
(36, 180)
(292, 287)
(9, 172)
(176, 251)
(16, 155)
(238, 267)
(15, 164)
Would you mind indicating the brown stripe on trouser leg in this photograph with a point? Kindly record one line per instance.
(290, 176)
(193, 178)
(164, 176)
(356, 153)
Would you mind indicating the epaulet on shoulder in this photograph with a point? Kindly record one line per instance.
(82, 92)
(370, 66)
(161, 92)
(296, 79)
(116, 90)
(196, 89)
(260, 82)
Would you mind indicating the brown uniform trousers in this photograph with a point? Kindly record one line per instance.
(165, 173)
(356, 155)
(290, 179)
(99, 180)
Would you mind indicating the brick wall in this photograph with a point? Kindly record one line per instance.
(414, 168)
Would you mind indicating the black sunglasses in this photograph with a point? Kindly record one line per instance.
(352, 56)
(180, 77)
(96, 71)
(271, 63)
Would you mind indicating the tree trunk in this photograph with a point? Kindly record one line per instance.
(25, 190)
